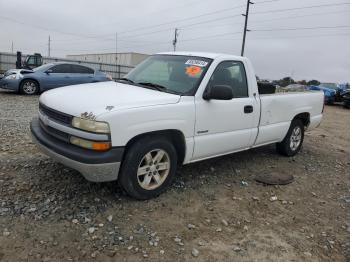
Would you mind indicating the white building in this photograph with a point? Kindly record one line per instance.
(127, 59)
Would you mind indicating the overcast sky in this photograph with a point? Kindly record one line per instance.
(89, 26)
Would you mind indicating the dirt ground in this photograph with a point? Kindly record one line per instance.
(214, 211)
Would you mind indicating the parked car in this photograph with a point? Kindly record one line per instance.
(295, 88)
(50, 76)
(346, 98)
(173, 108)
(339, 90)
(329, 93)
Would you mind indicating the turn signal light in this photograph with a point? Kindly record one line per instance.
(101, 145)
(94, 145)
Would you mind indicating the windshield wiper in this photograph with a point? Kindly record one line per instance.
(155, 86)
(126, 79)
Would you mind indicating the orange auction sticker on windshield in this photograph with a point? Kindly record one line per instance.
(193, 70)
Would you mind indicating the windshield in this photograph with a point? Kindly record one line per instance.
(43, 67)
(174, 73)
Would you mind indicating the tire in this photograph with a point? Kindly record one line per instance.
(29, 87)
(288, 147)
(142, 176)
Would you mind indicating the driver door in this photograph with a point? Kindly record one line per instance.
(225, 126)
(57, 76)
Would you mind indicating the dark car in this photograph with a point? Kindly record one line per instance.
(50, 76)
(346, 98)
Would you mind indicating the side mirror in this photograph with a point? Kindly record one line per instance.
(48, 71)
(218, 92)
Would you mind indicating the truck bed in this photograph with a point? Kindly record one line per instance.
(277, 111)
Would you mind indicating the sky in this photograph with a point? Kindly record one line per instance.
(298, 38)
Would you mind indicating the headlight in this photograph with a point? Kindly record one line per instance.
(90, 125)
(109, 77)
(94, 145)
(11, 77)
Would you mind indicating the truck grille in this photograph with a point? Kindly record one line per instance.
(54, 132)
(55, 115)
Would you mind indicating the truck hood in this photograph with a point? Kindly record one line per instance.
(99, 98)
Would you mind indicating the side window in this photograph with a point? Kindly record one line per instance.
(78, 69)
(61, 69)
(231, 73)
(31, 60)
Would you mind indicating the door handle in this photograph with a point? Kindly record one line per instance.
(248, 109)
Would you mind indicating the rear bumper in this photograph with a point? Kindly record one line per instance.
(11, 84)
(94, 166)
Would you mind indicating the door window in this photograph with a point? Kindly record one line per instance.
(232, 74)
(62, 69)
(78, 69)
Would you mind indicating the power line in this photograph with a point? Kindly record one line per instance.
(300, 8)
(186, 26)
(265, 2)
(162, 10)
(277, 37)
(183, 26)
(205, 37)
(46, 28)
(303, 36)
(299, 16)
(214, 37)
(301, 28)
(191, 18)
(181, 20)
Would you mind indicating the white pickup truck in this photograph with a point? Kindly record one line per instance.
(172, 109)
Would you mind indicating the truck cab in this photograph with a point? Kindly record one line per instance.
(30, 62)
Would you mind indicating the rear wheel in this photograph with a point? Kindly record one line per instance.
(149, 167)
(29, 87)
(293, 141)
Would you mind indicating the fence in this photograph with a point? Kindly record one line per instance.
(8, 61)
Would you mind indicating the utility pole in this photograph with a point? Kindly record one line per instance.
(49, 47)
(117, 74)
(12, 47)
(175, 38)
(245, 25)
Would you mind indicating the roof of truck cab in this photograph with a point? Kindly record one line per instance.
(203, 54)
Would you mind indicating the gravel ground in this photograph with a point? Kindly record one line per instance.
(215, 211)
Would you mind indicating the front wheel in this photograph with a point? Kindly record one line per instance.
(293, 141)
(149, 167)
(29, 87)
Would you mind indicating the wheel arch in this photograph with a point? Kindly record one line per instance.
(304, 117)
(175, 136)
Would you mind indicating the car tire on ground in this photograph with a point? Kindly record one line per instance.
(29, 87)
(149, 167)
(293, 141)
